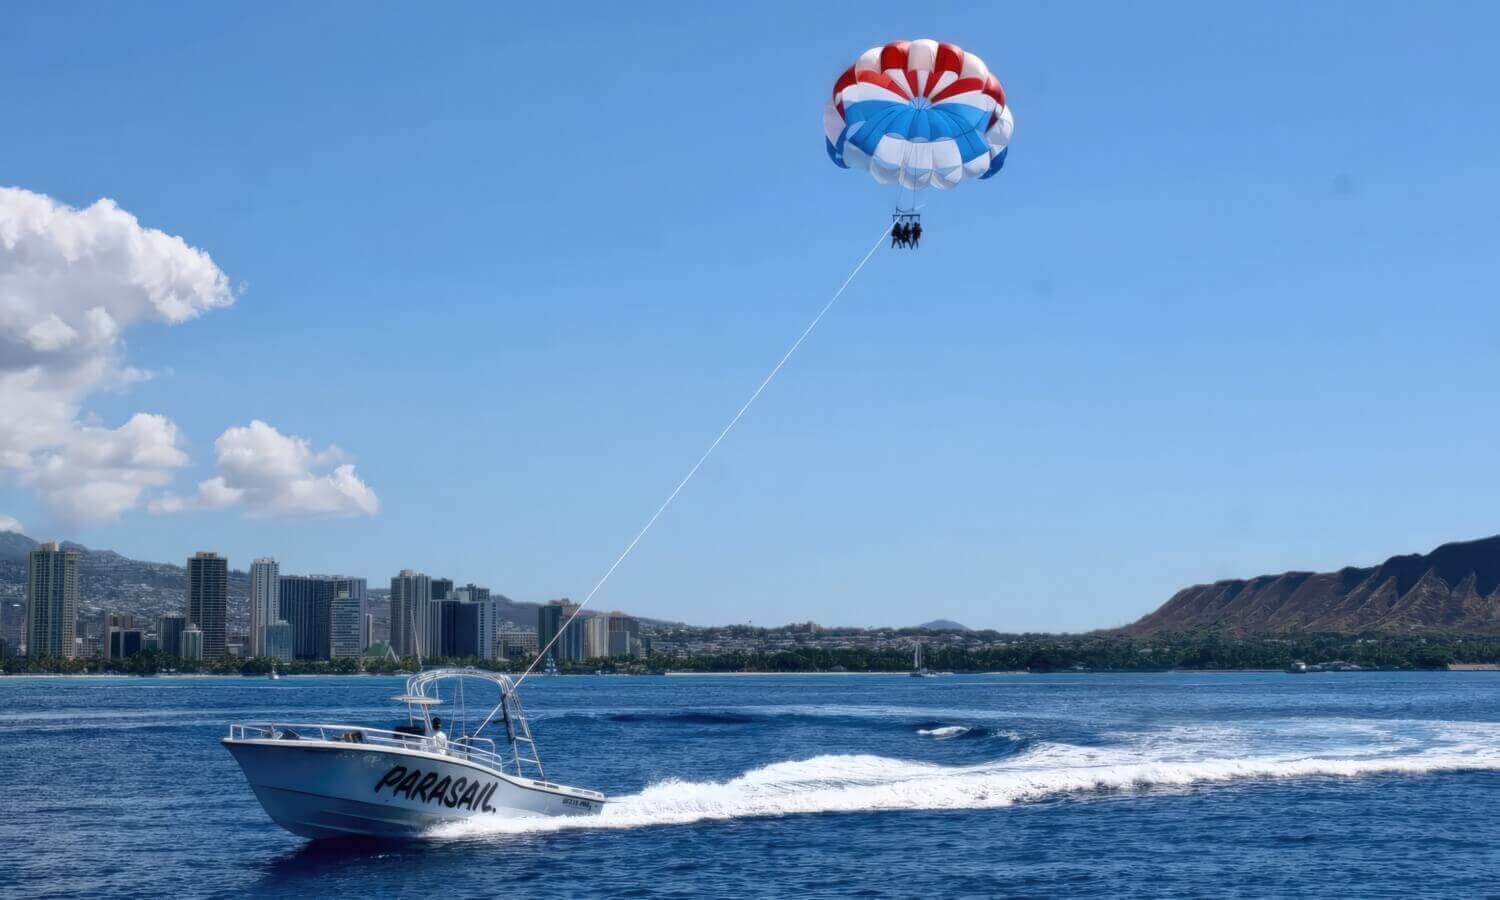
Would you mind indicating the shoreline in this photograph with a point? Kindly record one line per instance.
(1457, 668)
(828, 674)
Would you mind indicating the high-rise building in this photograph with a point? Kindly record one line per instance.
(265, 601)
(13, 624)
(411, 595)
(551, 620)
(595, 636)
(516, 643)
(89, 646)
(208, 600)
(52, 602)
(443, 628)
(306, 604)
(169, 634)
(346, 624)
(192, 642)
(486, 625)
(354, 587)
(279, 641)
(471, 592)
(624, 635)
(442, 588)
(462, 629)
(124, 642)
(326, 614)
(113, 623)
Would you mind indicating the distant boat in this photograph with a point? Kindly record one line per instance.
(917, 669)
(274, 676)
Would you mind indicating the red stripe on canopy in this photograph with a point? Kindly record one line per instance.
(950, 58)
(884, 81)
(893, 56)
(961, 86)
(993, 88)
(844, 81)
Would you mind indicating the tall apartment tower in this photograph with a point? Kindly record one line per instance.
(411, 597)
(192, 642)
(279, 641)
(346, 625)
(346, 618)
(265, 601)
(624, 635)
(169, 630)
(116, 624)
(306, 602)
(208, 600)
(595, 636)
(551, 619)
(486, 625)
(52, 601)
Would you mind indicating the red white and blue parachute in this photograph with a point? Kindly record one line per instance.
(918, 113)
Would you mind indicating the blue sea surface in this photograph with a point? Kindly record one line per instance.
(1167, 785)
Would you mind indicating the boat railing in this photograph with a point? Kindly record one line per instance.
(477, 749)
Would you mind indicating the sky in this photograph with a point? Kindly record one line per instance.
(467, 289)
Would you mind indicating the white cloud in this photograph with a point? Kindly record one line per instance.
(10, 523)
(71, 282)
(273, 474)
(101, 472)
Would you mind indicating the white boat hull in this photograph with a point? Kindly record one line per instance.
(326, 789)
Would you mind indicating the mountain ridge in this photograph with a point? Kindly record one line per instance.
(1453, 588)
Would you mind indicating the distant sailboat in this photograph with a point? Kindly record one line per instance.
(917, 669)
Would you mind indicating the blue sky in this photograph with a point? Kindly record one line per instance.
(1229, 309)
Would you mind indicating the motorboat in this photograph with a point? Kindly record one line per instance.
(326, 781)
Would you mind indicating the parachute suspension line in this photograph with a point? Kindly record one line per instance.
(901, 183)
(908, 214)
(775, 370)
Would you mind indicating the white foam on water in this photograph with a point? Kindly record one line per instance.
(947, 731)
(866, 783)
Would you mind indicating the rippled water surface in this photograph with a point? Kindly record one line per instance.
(1079, 785)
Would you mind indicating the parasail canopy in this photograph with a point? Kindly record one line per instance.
(918, 113)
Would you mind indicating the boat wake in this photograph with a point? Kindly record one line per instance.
(867, 783)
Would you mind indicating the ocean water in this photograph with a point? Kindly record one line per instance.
(1176, 785)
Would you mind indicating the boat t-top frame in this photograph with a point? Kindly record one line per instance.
(423, 692)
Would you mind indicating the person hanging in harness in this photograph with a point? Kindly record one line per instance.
(898, 235)
(914, 234)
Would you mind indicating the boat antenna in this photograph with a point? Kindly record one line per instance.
(775, 370)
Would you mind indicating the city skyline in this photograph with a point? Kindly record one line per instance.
(291, 617)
